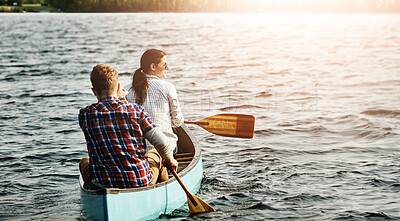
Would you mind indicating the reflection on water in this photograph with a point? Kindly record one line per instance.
(325, 91)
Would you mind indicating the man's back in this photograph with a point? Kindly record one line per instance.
(114, 131)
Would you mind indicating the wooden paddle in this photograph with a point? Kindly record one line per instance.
(229, 125)
(196, 205)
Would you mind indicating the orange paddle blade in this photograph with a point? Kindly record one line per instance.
(196, 205)
(229, 125)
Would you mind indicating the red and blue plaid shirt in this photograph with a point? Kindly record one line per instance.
(114, 131)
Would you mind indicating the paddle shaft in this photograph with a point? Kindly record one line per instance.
(189, 195)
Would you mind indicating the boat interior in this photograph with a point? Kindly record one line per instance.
(186, 149)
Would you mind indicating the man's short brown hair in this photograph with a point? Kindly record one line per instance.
(104, 79)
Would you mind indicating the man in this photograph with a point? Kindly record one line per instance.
(115, 133)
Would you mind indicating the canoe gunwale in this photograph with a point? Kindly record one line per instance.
(193, 163)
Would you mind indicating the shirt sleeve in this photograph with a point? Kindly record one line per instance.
(175, 109)
(81, 117)
(158, 139)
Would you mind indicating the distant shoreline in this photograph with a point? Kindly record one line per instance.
(37, 8)
(27, 8)
(205, 6)
(194, 12)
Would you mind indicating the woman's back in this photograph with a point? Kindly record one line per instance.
(162, 104)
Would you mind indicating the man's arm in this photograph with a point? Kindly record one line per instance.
(156, 137)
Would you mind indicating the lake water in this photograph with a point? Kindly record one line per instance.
(325, 91)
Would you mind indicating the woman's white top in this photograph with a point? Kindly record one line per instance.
(163, 106)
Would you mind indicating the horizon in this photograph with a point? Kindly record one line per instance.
(224, 6)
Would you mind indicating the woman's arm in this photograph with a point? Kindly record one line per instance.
(175, 109)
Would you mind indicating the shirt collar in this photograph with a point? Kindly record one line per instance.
(152, 76)
(107, 99)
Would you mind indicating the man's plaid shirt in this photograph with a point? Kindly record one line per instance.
(114, 131)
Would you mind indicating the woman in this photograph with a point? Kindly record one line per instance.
(158, 97)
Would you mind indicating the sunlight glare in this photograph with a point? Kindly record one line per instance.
(311, 6)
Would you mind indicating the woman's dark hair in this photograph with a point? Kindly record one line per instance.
(139, 79)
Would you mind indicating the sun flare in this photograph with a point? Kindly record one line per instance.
(314, 6)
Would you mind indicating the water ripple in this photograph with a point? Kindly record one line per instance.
(324, 90)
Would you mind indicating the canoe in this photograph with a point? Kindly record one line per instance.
(148, 202)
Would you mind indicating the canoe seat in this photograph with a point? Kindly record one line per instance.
(182, 155)
(184, 158)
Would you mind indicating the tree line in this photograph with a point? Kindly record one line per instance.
(127, 5)
(321, 6)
